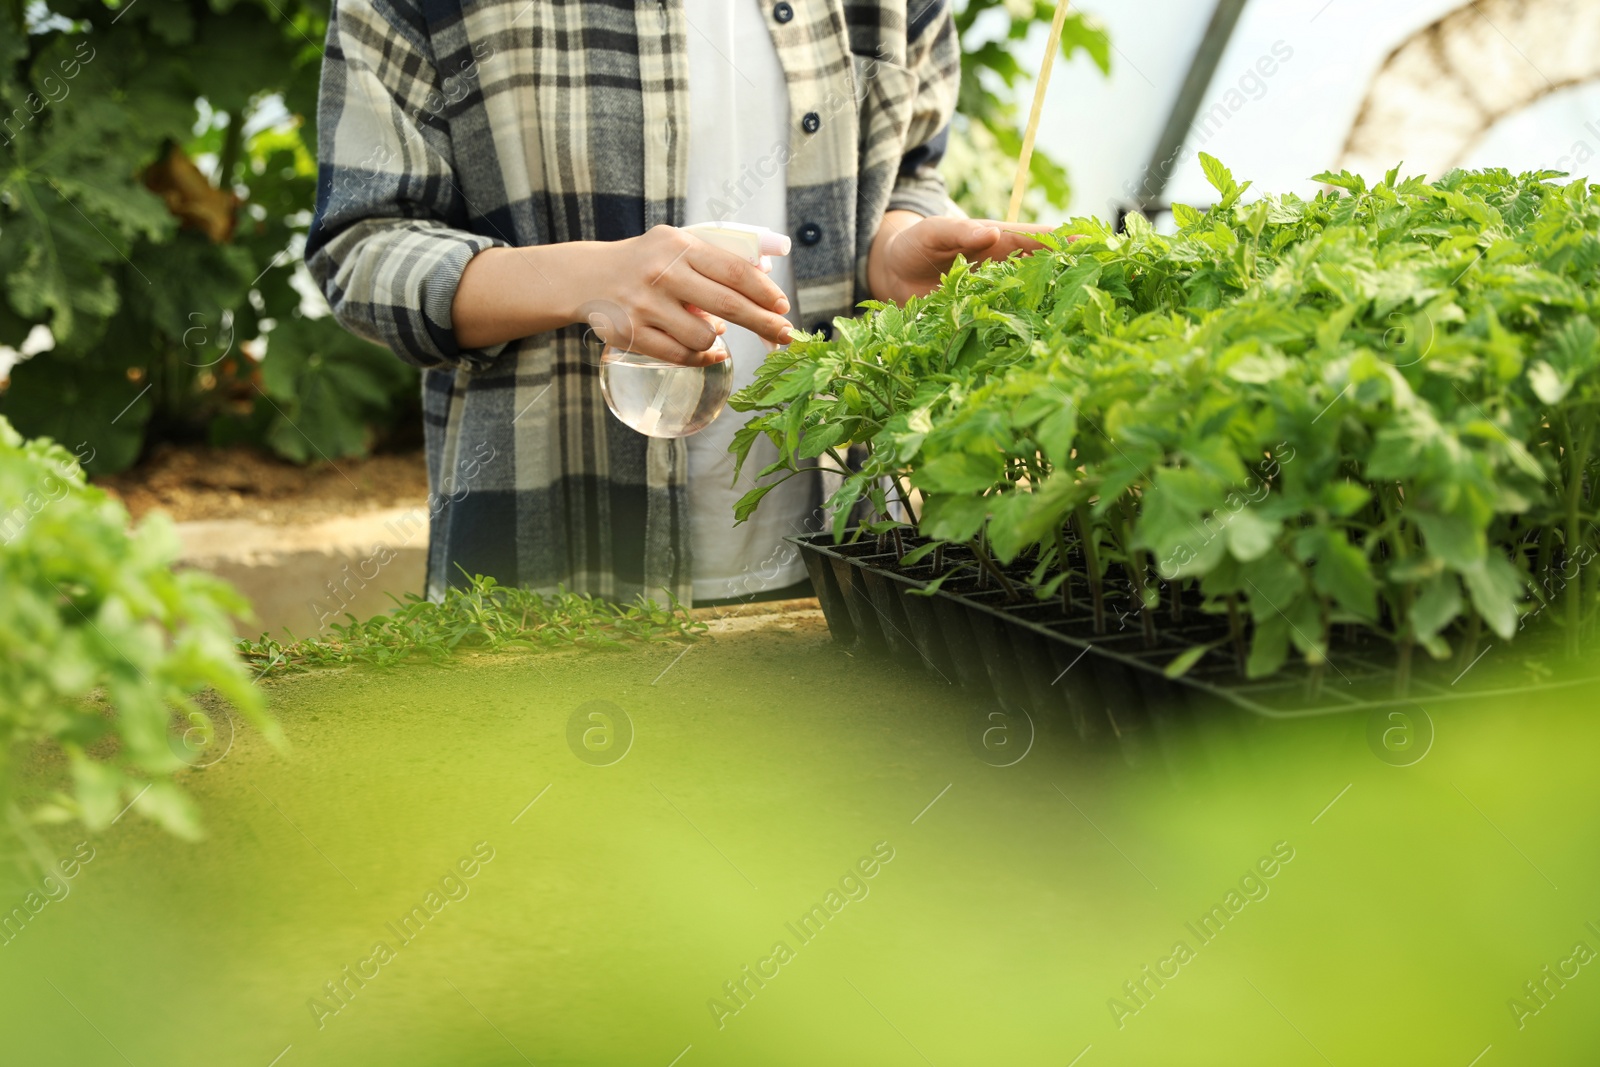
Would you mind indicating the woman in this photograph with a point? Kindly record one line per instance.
(499, 182)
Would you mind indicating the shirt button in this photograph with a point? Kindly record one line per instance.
(810, 233)
(812, 122)
(823, 329)
(782, 11)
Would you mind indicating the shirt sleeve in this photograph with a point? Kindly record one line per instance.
(390, 237)
(934, 55)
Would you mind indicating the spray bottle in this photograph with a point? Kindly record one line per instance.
(661, 399)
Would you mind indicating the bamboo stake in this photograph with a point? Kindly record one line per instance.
(1020, 185)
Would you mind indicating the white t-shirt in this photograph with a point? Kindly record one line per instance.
(738, 132)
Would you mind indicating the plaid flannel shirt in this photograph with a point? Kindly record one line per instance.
(450, 126)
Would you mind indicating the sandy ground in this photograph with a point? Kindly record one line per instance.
(193, 482)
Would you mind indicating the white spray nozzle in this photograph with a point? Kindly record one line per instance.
(752, 242)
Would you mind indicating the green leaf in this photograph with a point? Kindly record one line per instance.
(1497, 590)
(1307, 632)
(1082, 31)
(746, 505)
(1250, 536)
(1269, 646)
(1272, 584)
(1353, 183)
(1072, 285)
(1454, 539)
(815, 442)
(1186, 216)
(1166, 527)
(1344, 499)
(1036, 274)
(1437, 606)
(1057, 432)
(1546, 383)
(744, 438)
(920, 553)
(1220, 177)
(953, 518)
(1258, 370)
(1181, 663)
(1341, 570)
(959, 472)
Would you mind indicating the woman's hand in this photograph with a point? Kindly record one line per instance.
(910, 253)
(665, 294)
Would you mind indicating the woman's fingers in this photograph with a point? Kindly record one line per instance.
(1010, 244)
(695, 332)
(692, 286)
(734, 272)
(1023, 227)
(716, 323)
(657, 344)
(1013, 237)
(944, 236)
(663, 330)
(734, 306)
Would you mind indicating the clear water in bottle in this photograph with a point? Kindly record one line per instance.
(661, 399)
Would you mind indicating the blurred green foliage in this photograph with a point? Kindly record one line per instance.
(95, 618)
(155, 186)
(986, 137)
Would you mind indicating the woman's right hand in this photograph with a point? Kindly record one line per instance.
(667, 293)
(664, 293)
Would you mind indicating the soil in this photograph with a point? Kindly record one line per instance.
(191, 482)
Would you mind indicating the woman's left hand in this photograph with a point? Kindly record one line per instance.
(911, 253)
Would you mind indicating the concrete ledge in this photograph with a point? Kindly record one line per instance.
(305, 576)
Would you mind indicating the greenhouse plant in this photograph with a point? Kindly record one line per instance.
(1368, 411)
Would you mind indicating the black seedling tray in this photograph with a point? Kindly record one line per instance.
(1033, 656)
